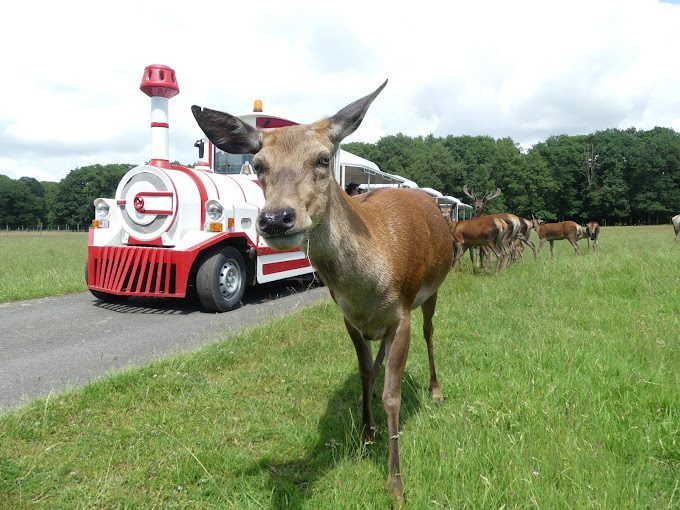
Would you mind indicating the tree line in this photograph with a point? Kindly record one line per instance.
(614, 177)
(29, 203)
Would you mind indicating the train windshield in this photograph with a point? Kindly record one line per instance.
(226, 163)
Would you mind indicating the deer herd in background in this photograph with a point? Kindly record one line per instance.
(505, 235)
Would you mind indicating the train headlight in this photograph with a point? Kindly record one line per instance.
(214, 210)
(101, 209)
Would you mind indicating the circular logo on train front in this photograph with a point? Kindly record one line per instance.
(148, 202)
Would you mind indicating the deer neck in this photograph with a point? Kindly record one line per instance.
(339, 244)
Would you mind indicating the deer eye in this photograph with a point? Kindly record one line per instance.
(323, 160)
(258, 167)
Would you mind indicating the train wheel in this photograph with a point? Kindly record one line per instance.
(221, 280)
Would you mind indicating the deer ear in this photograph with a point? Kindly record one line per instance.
(347, 120)
(227, 132)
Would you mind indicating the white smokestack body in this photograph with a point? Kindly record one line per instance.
(160, 136)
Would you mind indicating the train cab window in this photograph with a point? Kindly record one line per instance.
(226, 163)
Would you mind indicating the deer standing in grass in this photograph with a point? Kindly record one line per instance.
(381, 254)
(551, 232)
(593, 234)
(514, 225)
(486, 233)
(676, 226)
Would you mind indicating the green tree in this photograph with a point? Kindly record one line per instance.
(19, 205)
(73, 200)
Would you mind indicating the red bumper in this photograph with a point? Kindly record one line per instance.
(139, 271)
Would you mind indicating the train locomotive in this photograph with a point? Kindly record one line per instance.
(174, 230)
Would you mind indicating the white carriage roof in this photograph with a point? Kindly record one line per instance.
(433, 192)
(445, 199)
(348, 159)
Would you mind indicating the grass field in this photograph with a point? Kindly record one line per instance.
(39, 264)
(561, 382)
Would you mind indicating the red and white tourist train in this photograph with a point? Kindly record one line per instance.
(170, 227)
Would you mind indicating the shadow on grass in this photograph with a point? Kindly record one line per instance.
(292, 481)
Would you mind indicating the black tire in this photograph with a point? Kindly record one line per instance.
(103, 296)
(221, 280)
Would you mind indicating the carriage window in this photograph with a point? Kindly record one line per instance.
(226, 163)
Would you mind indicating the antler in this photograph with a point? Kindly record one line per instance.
(470, 194)
(492, 195)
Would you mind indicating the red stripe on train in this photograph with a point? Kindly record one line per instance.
(287, 265)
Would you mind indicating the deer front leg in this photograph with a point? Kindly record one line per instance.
(366, 374)
(397, 345)
(552, 248)
(540, 245)
(575, 245)
(484, 258)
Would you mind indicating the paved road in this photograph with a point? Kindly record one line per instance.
(50, 344)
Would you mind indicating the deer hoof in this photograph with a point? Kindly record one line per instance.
(396, 489)
(369, 434)
(436, 394)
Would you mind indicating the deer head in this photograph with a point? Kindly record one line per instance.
(480, 203)
(293, 165)
(536, 222)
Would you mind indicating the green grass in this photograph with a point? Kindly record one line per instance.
(561, 382)
(39, 264)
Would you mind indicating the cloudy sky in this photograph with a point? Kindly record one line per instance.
(70, 70)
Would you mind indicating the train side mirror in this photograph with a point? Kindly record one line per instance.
(201, 147)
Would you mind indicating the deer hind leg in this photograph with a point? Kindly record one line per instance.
(531, 245)
(459, 253)
(484, 258)
(428, 330)
(500, 257)
(366, 373)
(472, 258)
(519, 249)
(552, 248)
(397, 341)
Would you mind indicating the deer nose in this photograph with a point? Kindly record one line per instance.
(276, 222)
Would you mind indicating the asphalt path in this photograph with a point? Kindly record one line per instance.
(51, 344)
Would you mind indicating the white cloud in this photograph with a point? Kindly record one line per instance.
(69, 90)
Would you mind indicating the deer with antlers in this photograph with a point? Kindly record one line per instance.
(513, 232)
(381, 254)
(479, 204)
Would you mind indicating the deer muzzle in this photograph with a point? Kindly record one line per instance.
(277, 227)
